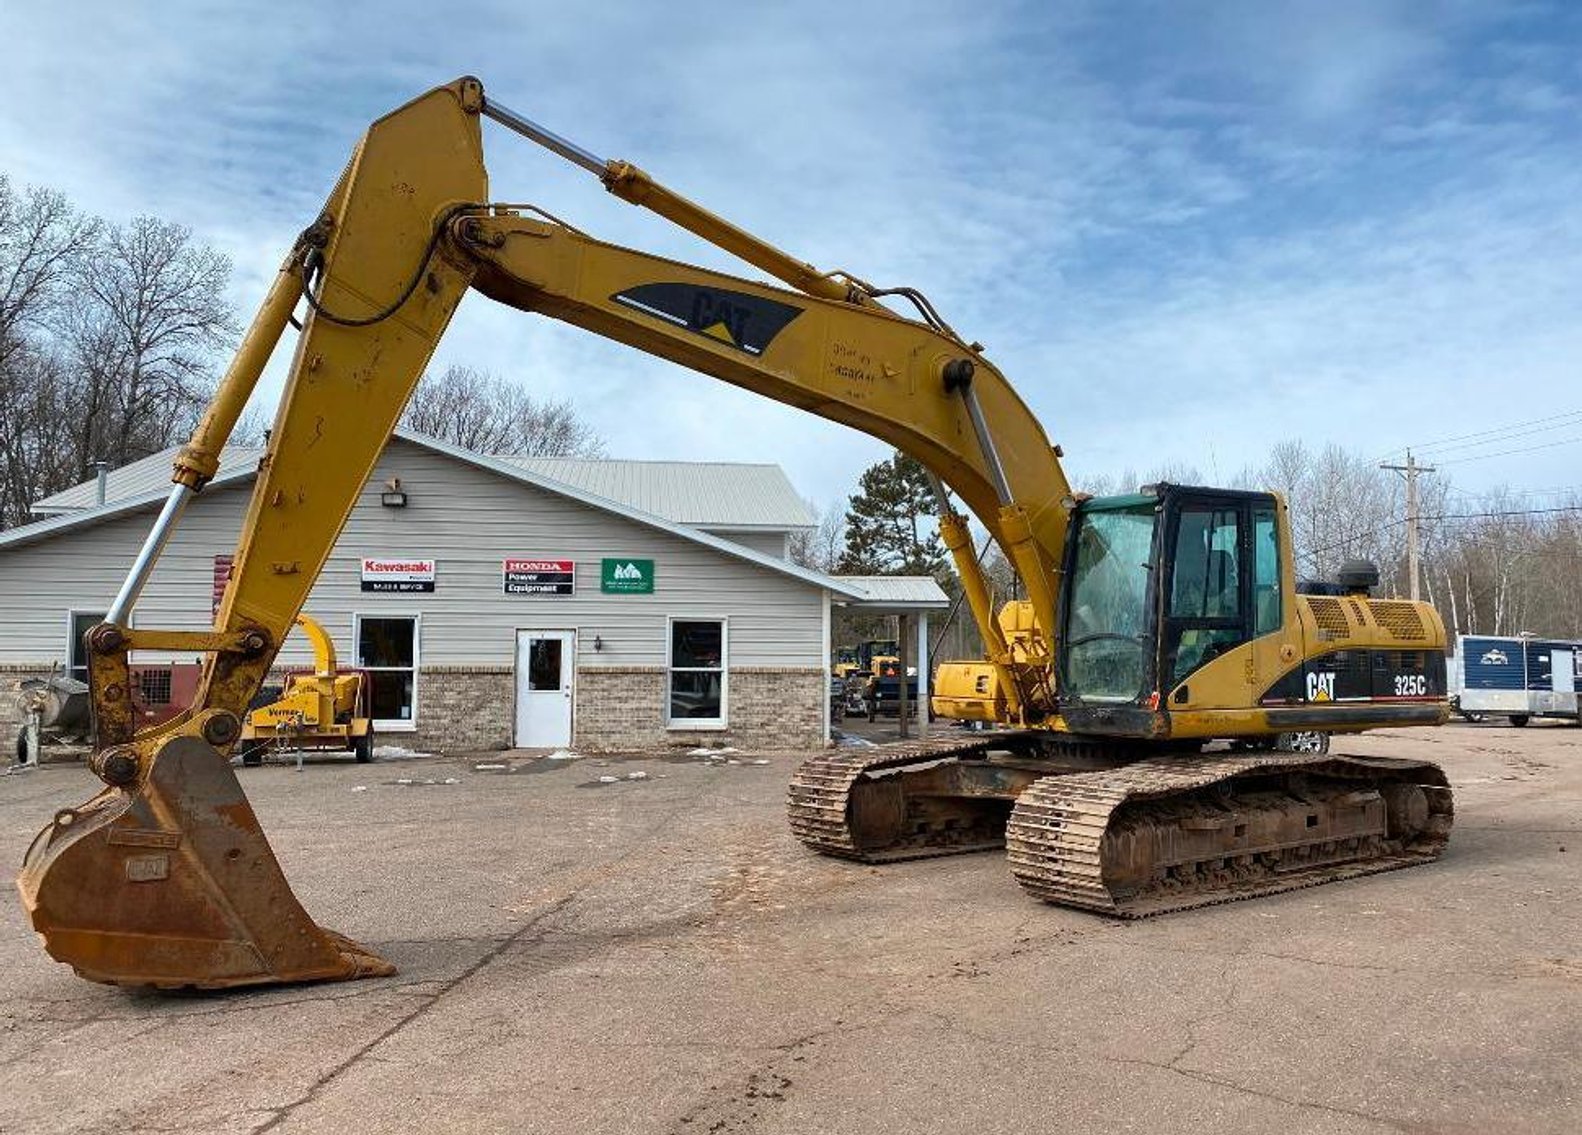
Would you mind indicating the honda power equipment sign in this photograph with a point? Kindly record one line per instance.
(397, 574)
(539, 577)
(627, 577)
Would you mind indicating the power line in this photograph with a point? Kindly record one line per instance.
(1445, 441)
(1516, 492)
(1513, 435)
(1532, 425)
(1511, 512)
(1508, 452)
(1355, 536)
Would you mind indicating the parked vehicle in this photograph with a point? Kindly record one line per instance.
(1517, 677)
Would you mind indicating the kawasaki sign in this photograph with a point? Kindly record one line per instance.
(627, 577)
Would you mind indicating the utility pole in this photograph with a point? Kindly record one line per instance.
(1411, 469)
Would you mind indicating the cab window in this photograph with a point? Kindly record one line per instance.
(1205, 615)
(1266, 610)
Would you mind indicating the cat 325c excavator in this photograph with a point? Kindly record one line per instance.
(1142, 689)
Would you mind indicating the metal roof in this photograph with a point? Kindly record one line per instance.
(242, 468)
(138, 479)
(910, 591)
(715, 495)
(707, 494)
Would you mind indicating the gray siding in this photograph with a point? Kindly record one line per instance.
(770, 543)
(468, 520)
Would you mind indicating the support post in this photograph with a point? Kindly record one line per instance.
(1410, 470)
(901, 700)
(922, 675)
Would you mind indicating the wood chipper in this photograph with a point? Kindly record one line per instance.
(326, 709)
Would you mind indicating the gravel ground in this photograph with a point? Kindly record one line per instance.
(658, 955)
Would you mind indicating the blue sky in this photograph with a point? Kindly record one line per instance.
(1184, 231)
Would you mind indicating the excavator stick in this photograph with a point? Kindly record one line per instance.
(166, 878)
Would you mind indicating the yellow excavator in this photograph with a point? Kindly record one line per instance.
(1154, 694)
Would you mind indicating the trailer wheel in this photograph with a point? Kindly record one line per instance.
(1519, 719)
(363, 747)
(1472, 715)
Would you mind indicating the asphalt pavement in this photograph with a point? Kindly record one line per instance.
(657, 954)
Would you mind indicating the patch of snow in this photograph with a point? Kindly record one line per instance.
(563, 755)
(397, 753)
(359, 788)
(637, 776)
(609, 779)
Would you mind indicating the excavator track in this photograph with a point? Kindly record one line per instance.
(828, 810)
(1171, 833)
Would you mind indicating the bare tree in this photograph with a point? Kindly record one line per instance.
(820, 547)
(41, 238)
(144, 340)
(482, 412)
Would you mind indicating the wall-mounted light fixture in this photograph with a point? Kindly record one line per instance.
(394, 496)
(598, 643)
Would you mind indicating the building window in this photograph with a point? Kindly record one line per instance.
(79, 624)
(387, 648)
(695, 693)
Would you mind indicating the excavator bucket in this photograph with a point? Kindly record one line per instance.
(171, 883)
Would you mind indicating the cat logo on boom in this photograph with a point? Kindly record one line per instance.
(738, 319)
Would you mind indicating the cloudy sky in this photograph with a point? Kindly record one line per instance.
(1185, 231)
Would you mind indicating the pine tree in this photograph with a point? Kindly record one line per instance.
(889, 525)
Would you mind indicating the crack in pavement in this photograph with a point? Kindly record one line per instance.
(522, 933)
(1364, 967)
(281, 1114)
(256, 1003)
(1172, 1066)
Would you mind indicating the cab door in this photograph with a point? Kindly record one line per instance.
(1208, 600)
(1226, 631)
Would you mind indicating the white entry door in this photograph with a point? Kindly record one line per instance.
(543, 688)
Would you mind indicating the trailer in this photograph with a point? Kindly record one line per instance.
(1518, 677)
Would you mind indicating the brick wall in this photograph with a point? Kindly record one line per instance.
(461, 709)
(767, 708)
(472, 708)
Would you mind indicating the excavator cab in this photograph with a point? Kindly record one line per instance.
(1162, 583)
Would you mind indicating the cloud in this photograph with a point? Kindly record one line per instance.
(1178, 228)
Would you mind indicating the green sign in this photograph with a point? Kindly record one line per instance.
(627, 577)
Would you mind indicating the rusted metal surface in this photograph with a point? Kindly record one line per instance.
(1171, 833)
(906, 801)
(171, 883)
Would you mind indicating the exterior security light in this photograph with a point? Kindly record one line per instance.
(393, 496)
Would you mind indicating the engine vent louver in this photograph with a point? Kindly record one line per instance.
(1400, 619)
(1329, 615)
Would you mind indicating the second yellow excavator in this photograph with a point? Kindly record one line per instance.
(1164, 693)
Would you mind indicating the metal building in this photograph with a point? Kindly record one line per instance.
(493, 601)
